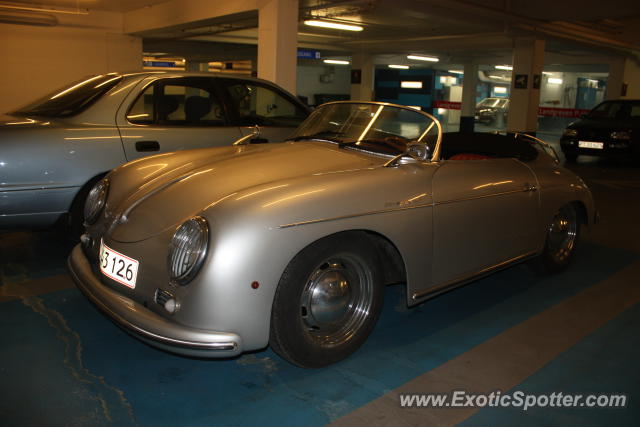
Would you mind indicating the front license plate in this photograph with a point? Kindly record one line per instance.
(117, 266)
(591, 144)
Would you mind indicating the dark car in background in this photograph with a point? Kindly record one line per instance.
(611, 129)
(492, 110)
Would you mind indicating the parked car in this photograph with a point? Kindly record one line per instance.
(53, 151)
(611, 129)
(492, 111)
(218, 251)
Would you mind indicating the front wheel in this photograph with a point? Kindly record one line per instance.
(327, 302)
(562, 238)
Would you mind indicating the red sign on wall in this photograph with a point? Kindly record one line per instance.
(449, 105)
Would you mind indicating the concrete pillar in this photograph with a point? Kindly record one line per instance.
(624, 79)
(363, 63)
(191, 65)
(467, 116)
(526, 77)
(278, 42)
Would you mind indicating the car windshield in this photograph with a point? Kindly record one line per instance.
(72, 99)
(616, 110)
(375, 127)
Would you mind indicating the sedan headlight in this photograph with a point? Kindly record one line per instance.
(570, 132)
(188, 250)
(96, 201)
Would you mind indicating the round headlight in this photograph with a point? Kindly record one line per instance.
(188, 250)
(96, 200)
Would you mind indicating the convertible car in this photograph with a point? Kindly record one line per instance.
(53, 151)
(218, 251)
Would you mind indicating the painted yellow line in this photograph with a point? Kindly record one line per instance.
(507, 359)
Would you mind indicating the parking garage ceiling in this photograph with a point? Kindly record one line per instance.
(455, 30)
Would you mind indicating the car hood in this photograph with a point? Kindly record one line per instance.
(162, 191)
(602, 124)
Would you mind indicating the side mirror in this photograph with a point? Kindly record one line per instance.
(418, 151)
(245, 139)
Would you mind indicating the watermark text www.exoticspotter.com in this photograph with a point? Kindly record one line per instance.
(517, 399)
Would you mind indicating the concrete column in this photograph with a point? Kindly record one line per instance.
(467, 116)
(278, 42)
(624, 79)
(528, 61)
(190, 65)
(363, 91)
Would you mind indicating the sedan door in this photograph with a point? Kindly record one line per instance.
(171, 114)
(486, 212)
(257, 103)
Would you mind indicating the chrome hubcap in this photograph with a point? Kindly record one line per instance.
(336, 300)
(562, 234)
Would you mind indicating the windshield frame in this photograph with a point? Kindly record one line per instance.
(435, 156)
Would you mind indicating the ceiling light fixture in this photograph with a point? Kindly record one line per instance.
(504, 67)
(455, 71)
(332, 25)
(400, 67)
(423, 58)
(411, 85)
(554, 81)
(77, 11)
(336, 61)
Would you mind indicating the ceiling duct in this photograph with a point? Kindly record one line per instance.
(28, 18)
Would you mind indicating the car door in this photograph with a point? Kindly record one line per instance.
(486, 212)
(254, 103)
(174, 113)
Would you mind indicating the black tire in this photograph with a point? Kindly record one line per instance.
(561, 242)
(570, 157)
(328, 301)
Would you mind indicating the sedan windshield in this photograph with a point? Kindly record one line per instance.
(72, 99)
(380, 128)
(616, 110)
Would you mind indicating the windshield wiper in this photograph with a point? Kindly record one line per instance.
(327, 135)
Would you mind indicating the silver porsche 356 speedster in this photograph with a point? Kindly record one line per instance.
(217, 251)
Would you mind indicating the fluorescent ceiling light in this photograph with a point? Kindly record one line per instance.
(500, 89)
(504, 67)
(423, 58)
(401, 67)
(411, 85)
(554, 81)
(336, 61)
(547, 73)
(333, 25)
(455, 71)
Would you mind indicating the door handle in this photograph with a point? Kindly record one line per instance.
(146, 146)
(528, 187)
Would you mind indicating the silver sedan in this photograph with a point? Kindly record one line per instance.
(218, 251)
(53, 151)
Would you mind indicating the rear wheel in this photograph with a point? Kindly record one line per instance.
(327, 302)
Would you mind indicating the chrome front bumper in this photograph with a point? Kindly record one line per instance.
(146, 325)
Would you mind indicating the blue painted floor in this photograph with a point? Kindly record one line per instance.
(63, 363)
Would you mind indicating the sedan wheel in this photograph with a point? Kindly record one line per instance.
(327, 302)
(562, 238)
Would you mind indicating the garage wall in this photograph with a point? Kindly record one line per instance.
(320, 79)
(38, 60)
